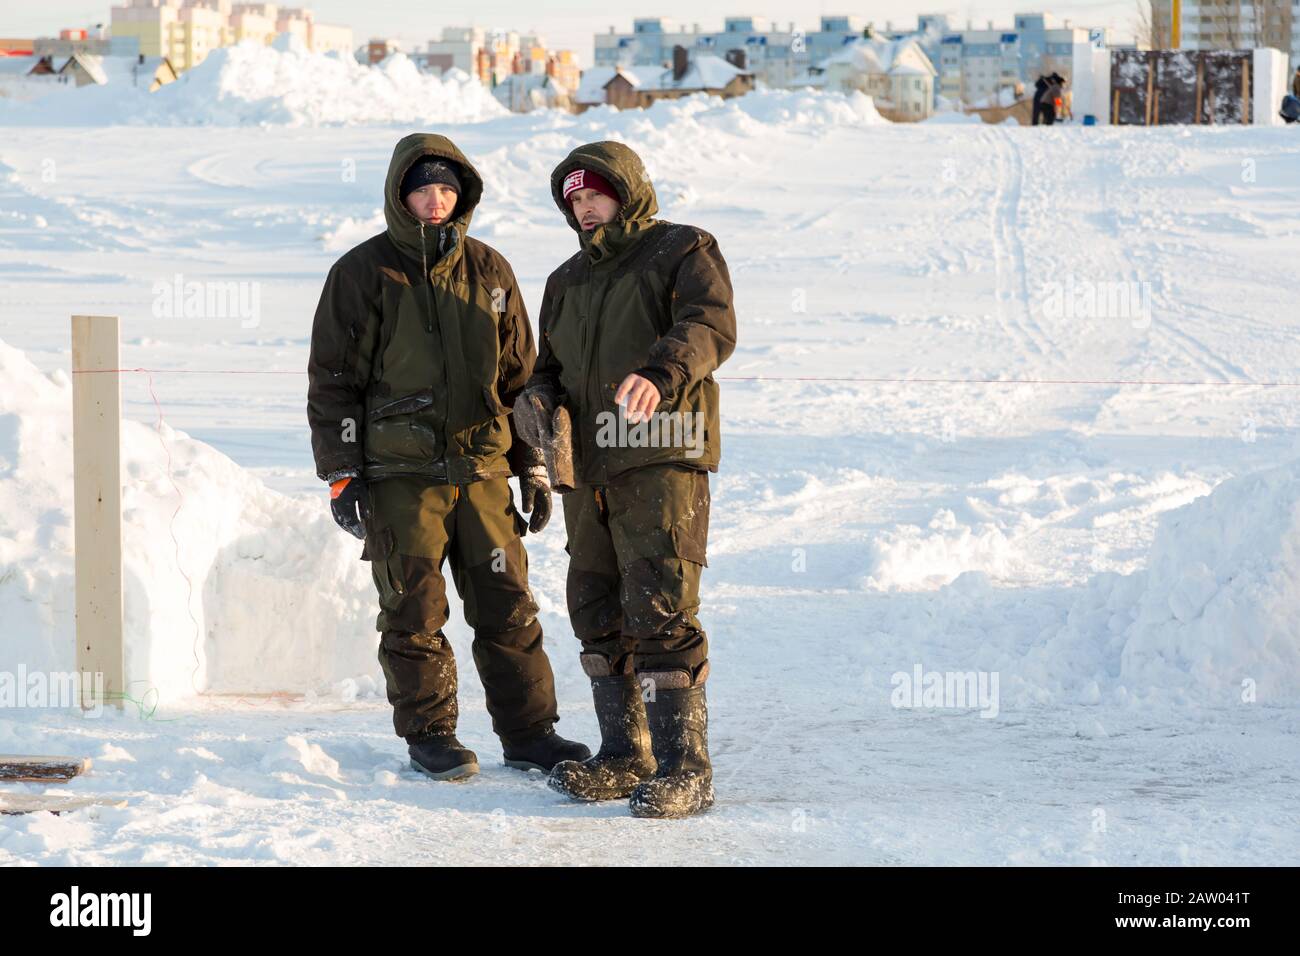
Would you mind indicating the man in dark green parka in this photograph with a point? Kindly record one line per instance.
(419, 347)
(632, 328)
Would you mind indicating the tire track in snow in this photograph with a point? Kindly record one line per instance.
(1012, 280)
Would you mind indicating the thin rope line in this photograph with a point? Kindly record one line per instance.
(782, 378)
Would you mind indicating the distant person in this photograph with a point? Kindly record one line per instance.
(1295, 83)
(1040, 88)
(1048, 99)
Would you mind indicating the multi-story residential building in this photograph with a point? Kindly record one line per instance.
(70, 42)
(254, 21)
(1232, 25)
(975, 65)
(896, 74)
(186, 31)
(775, 56)
(971, 64)
(495, 55)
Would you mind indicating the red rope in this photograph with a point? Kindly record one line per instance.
(776, 378)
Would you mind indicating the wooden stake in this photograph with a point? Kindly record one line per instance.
(1200, 80)
(97, 497)
(1245, 91)
(1151, 80)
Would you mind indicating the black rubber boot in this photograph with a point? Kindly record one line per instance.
(678, 719)
(625, 758)
(541, 750)
(443, 758)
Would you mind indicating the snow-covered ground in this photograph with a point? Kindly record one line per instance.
(1124, 559)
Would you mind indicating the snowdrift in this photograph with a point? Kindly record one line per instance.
(279, 598)
(285, 85)
(253, 84)
(1215, 613)
(1210, 620)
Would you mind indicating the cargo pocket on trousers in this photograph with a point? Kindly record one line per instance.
(386, 566)
(689, 545)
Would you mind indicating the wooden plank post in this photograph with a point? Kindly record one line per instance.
(1245, 91)
(1151, 80)
(97, 502)
(1200, 82)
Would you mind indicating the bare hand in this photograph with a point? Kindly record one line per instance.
(638, 396)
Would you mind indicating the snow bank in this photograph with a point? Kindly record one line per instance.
(912, 557)
(1212, 619)
(279, 598)
(754, 112)
(1215, 613)
(252, 84)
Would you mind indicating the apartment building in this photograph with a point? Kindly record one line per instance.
(775, 55)
(495, 55)
(975, 65)
(1233, 25)
(186, 31)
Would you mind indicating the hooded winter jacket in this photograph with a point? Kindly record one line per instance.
(641, 295)
(420, 345)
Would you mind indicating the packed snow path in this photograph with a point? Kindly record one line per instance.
(860, 529)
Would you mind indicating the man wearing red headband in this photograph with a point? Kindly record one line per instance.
(632, 328)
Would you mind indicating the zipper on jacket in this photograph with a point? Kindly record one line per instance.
(442, 351)
(424, 263)
(590, 338)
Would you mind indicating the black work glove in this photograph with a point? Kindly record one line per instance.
(350, 503)
(533, 411)
(535, 496)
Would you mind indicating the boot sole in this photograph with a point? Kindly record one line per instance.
(527, 765)
(592, 796)
(455, 773)
(653, 813)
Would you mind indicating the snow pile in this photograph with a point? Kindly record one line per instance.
(911, 557)
(1212, 618)
(1215, 613)
(757, 112)
(284, 84)
(279, 599)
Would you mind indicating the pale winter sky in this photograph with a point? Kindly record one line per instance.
(416, 21)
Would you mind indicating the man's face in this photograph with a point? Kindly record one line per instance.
(432, 204)
(592, 208)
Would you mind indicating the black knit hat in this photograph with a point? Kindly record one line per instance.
(430, 170)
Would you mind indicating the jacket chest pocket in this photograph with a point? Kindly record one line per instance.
(565, 337)
(633, 319)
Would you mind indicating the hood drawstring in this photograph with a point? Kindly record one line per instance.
(424, 281)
